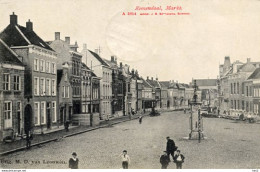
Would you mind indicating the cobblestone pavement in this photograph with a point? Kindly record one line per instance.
(229, 144)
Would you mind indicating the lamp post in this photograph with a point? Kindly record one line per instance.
(195, 108)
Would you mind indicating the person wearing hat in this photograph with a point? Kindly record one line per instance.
(164, 160)
(170, 147)
(125, 160)
(74, 161)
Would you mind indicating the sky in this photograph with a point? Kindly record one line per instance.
(178, 48)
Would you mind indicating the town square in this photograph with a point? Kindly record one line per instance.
(94, 85)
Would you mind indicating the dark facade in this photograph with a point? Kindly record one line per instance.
(117, 87)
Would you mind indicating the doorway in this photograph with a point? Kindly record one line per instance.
(27, 118)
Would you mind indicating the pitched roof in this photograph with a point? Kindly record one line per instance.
(16, 35)
(98, 58)
(206, 82)
(92, 73)
(165, 83)
(153, 83)
(146, 84)
(109, 63)
(7, 55)
(248, 67)
(255, 74)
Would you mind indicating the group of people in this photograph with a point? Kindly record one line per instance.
(178, 158)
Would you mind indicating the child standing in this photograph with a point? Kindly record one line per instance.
(179, 159)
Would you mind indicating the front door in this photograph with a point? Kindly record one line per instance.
(27, 118)
(48, 116)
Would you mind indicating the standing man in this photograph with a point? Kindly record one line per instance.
(74, 161)
(179, 159)
(164, 160)
(29, 137)
(140, 119)
(125, 160)
(170, 148)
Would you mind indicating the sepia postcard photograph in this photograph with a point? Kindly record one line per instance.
(129, 84)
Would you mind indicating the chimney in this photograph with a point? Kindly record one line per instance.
(29, 25)
(152, 78)
(115, 59)
(13, 19)
(112, 58)
(57, 35)
(156, 78)
(133, 71)
(67, 40)
(121, 65)
(136, 72)
(84, 46)
(248, 60)
(147, 77)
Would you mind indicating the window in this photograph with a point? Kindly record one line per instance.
(53, 68)
(53, 87)
(42, 65)
(237, 88)
(19, 110)
(63, 91)
(66, 76)
(36, 64)
(36, 113)
(17, 83)
(36, 86)
(231, 88)
(48, 87)
(42, 86)
(48, 67)
(6, 81)
(43, 112)
(68, 92)
(54, 118)
(7, 115)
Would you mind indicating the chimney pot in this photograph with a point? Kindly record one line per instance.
(57, 35)
(67, 40)
(29, 25)
(13, 19)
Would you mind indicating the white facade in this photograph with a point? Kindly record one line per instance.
(105, 73)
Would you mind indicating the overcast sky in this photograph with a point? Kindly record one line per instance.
(170, 47)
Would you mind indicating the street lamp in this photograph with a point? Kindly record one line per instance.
(195, 107)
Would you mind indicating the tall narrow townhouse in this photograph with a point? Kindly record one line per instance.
(40, 106)
(147, 95)
(240, 91)
(156, 91)
(67, 53)
(117, 87)
(11, 93)
(104, 72)
(255, 79)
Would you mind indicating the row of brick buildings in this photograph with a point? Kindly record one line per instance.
(46, 83)
(239, 88)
